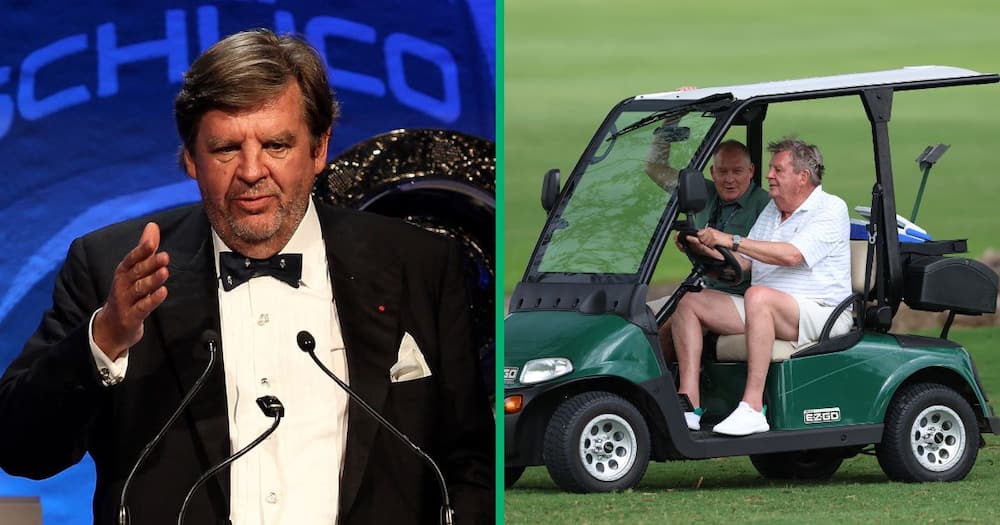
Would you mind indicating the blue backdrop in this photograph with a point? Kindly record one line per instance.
(87, 135)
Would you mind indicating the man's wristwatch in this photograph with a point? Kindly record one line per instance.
(736, 242)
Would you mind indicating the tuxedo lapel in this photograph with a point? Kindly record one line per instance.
(366, 290)
(191, 308)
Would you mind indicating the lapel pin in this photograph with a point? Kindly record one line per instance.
(381, 308)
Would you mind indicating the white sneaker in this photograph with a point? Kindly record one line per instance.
(693, 420)
(743, 422)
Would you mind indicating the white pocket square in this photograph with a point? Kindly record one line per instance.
(411, 364)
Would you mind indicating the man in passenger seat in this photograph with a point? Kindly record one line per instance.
(733, 204)
(799, 254)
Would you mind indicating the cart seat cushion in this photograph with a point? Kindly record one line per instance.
(859, 256)
(734, 348)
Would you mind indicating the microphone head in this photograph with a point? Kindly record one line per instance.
(271, 406)
(210, 337)
(306, 341)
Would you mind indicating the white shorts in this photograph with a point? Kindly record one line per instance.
(812, 316)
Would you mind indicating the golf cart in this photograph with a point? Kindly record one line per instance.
(587, 390)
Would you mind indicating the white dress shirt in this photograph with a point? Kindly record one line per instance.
(294, 475)
(820, 229)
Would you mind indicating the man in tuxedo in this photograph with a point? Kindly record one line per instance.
(257, 261)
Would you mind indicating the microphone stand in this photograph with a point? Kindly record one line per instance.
(209, 338)
(271, 407)
(307, 344)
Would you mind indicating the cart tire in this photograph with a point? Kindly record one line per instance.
(803, 464)
(511, 475)
(596, 442)
(930, 434)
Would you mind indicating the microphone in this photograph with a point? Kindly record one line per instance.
(307, 344)
(271, 407)
(209, 338)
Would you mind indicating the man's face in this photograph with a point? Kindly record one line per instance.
(731, 173)
(255, 170)
(784, 183)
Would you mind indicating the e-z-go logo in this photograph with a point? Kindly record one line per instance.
(20, 94)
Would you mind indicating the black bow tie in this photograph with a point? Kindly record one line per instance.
(236, 269)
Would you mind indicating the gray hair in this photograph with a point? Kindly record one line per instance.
(247, 69)
(805, 156)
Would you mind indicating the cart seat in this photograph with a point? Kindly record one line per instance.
(734, 347)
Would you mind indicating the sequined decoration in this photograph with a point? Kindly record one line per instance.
(406, 154)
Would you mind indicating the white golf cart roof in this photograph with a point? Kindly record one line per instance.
(806, 85)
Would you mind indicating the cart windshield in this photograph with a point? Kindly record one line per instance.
(618, 197)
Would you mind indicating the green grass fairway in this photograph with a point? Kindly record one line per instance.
(567, 62)
(729, 490)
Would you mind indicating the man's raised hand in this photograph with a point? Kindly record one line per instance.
(136, 290)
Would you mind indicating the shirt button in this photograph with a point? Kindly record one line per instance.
(272, 497)
(263, 319)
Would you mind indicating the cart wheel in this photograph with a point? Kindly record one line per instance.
(596, 442)
(930, 435)
(511, 475)
(803, 464)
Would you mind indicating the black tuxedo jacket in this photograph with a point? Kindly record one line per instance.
(55, 409)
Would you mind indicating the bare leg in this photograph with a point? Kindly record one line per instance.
(706, 310)
(667, 342)
(770, 314)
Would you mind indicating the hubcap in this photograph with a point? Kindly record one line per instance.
(607, 447)
(937, 438)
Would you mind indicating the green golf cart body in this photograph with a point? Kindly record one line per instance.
(588, 392)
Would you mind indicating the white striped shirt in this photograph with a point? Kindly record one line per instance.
(820, 229)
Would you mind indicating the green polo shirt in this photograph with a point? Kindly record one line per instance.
(735, 217)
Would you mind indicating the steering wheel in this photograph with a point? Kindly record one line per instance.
(726, 271)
